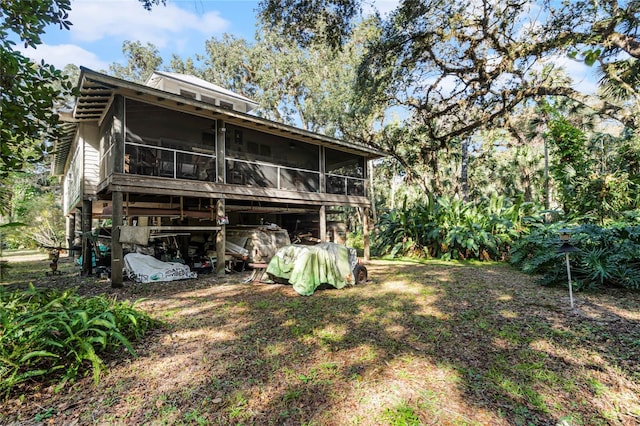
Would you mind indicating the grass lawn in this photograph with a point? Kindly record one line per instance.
(433, 343)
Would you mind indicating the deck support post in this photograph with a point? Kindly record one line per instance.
(323, 223)
(117, 262)
(220, 238)
(87, 250)
(117, 197)
(69, 231)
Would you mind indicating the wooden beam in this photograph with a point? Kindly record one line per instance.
(220, 239)
(221, 134)
(323, 177)
(117, 261)
(185, 228)
(323, 223)
(69, 231)
(153, 185)
(87, 251)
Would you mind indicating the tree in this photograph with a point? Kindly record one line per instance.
(30, 92)
(461, 67)
(32, 199)
(27, 96)
(141, 62)
(593, 183)
(289, 82)
(571, 162)
(310, 21)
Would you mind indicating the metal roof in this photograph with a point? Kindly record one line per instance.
(198, 82)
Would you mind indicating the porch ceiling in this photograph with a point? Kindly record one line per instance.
(62, 147)
(93, 99)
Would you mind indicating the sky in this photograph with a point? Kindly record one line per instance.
(181, 27)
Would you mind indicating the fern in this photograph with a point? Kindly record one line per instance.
(52, 335)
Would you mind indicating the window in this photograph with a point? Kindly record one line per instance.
(226, 105)
(208, 99)
(187, 94)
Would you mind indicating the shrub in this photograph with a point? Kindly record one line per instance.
(448, 228)
(57, 335)
(355, 240)
(607, 256)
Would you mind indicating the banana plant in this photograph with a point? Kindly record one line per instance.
(448, 228)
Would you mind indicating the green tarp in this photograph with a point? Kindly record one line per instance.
(307, 267)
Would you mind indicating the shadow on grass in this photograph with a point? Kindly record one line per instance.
(420, 344)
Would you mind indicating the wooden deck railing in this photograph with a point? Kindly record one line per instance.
(148, 160)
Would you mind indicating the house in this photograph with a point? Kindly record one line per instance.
(184, 156)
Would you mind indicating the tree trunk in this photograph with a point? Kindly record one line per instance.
(464, 170)
(436, 183)
(547, 193)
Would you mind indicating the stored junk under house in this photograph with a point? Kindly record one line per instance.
(182, 160)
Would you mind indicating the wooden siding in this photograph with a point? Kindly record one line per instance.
(89, 135)
(72, 189)
(178, 87)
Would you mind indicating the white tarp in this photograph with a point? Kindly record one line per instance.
(143, 268)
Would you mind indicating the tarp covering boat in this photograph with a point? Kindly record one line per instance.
(307, 267)
(262, 241)
(143, 268)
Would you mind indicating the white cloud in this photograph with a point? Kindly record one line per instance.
(63, 54)
(128, 20)
(100, 27)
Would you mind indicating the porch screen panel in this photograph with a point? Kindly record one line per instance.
(106, 147)
(167, 143)
(345, 173)
(252, 145)
(265, 160)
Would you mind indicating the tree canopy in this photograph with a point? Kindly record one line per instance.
(457, 69)
(141, 62)
(27, 94)
(459, 66)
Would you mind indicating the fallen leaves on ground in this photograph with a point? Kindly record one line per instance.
(425, 343)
